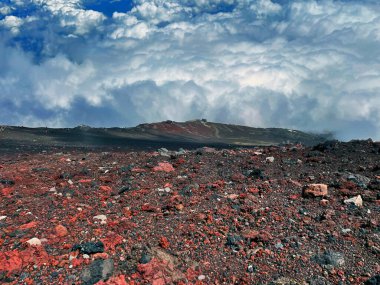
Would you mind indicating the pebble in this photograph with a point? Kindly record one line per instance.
(279, 245)
(61, 231)
(375, 280)
(34, 242)
(357, 201)
(315, 190)
(102, 218)
(270, 159)
(145, 258)
(89, 247)
(332, 258)
(201, 277)
(164, 166)
(251, 268)
(3, 218)
(324, 202)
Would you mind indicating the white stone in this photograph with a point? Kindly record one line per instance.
(270, 159)
(201, 277)
(86, 256)
(70, 182)
(102, 218)
(34, 242)
(167, 189)
(3, 218)
(357, 201)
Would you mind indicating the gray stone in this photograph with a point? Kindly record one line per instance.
(98, 270)
(330, 259)
(360, 180)
(89, 247)
(318, 280)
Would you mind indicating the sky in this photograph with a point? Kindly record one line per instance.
(307, 65)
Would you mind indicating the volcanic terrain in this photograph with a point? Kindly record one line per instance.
(273, 214)
(169, 134)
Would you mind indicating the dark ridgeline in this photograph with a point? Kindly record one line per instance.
(168, 134)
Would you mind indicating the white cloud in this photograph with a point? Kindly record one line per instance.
(5, 10)
(310, 65)
(71, 14)
(12, 23)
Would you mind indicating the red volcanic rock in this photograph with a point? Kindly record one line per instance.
(61, 231)
(105, 189)
(164, 166)
(315, 190)
(7, 191)
(28, 226)
(10, 261)
(16, 260)
(238, 177)
(164, 243)
(193, 224)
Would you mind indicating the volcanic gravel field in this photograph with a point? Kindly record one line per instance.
(268, 215)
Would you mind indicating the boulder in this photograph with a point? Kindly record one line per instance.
(315, 190)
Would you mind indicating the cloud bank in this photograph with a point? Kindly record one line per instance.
(309, 65)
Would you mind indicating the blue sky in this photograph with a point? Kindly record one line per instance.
(308, 65)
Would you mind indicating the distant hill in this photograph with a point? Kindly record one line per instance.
(167, 133)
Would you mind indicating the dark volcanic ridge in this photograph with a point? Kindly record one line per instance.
(169, 134)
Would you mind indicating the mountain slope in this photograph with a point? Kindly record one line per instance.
(167, 133)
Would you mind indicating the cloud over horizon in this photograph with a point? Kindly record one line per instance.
(308, 65)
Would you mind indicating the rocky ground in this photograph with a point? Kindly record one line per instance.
(271, 215)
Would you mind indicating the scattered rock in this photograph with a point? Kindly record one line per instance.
(315, 190)
(164, 152)
(89, 247)
(318, 280)
(233, 242)
(201, 277)
(145, 258)
(98, 270)
(269, 159)
(34, 242)
(331, 258)
(360, 180)
(61, 231)
(124, 189)
(164, 166)
(251, 268)
(285, 281)
(357, 201)
(375, 280)
(255, 173)
(102, 218)
(205, 150)
(7, 182)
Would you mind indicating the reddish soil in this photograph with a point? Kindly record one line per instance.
(201, 217)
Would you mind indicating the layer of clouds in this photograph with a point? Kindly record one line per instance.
(309, 65)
